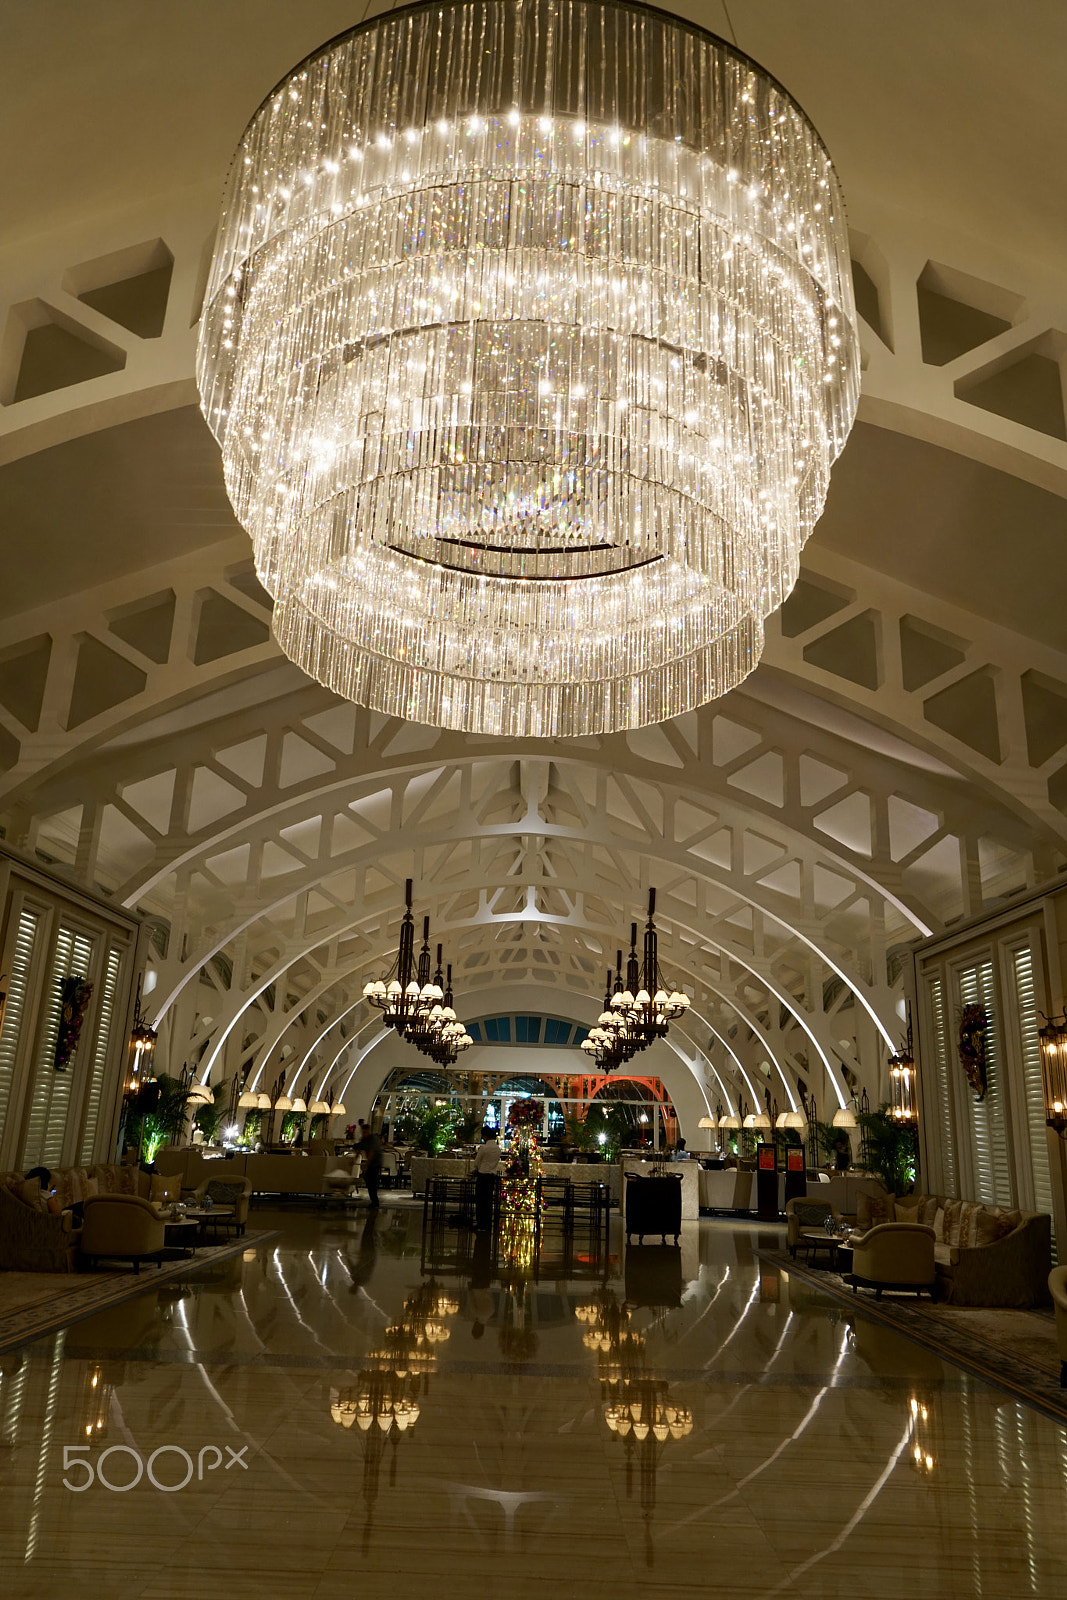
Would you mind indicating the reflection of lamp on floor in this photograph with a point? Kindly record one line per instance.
(637, 1404)
(383, 1403)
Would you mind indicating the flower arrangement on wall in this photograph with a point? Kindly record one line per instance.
(971, 1045)
(74, 1002)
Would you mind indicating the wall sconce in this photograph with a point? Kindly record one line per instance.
(902, 1104)
(142, 1044)
(1053, 1039)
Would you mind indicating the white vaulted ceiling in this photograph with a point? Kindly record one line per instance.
(897, 762)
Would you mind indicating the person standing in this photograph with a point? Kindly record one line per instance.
(486, 1167)
(370, 1147)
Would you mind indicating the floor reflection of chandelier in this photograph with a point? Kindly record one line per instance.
(383, 1404)
(636, 1403)
(529, 343)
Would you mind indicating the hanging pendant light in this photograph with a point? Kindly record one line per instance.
(529, 343)
(418, 1007)
(648, 1003)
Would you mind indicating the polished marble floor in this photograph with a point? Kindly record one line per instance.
(361, 1407)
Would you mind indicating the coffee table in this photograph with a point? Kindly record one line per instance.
(213, 1216)
(816, 1239)
(180, 1233)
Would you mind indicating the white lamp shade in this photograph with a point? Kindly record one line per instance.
(845, 1118)
(263, 1102)
(248, 1101)
(283, 1103)
(319, 1108)
(707, 1122)
(790, 1119)
(298, 1104)
(729, 1122)
(339, 1109)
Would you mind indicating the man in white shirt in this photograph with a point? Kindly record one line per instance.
(486, 1167)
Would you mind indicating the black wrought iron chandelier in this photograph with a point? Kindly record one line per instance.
(647, 1002)
(613, 1040)
(419, 1007)
(638, 1007)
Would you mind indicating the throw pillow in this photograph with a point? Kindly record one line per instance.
(929, 1206)
(938, 1226)
(813, 1215)
(995, 1223)
(90, 1188)
(953, 1209)
(221, 1193)
(31, 1194)
(967, 1236)
(871, 1209)
(903, 1211)
(162, 1188)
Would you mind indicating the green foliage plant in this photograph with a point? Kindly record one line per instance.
(891, 1149)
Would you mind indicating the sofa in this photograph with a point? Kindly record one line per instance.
(266, 1171)
(50, 1243)
(984, 1255)
(32, 1238)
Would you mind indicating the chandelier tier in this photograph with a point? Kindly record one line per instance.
(529, 342)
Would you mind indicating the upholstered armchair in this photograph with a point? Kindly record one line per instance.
(225, 1190)
(894, 1255)
(122, 1226)
(801, 1213)
(1057, 1286)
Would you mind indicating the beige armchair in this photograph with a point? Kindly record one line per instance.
(801, 1214)
(894, 1255)
(1057, 1286)
(122, 1226)
(227, 1191)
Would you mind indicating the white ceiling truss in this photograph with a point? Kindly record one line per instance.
(897, 762)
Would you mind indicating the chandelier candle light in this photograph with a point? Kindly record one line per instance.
(529, 343)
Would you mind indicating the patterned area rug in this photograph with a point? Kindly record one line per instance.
(1013, 1350)
(33, 1304)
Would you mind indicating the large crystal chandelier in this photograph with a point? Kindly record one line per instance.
(529, 343)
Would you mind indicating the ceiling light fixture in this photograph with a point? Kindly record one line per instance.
(419, 1008)
(529, 343)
